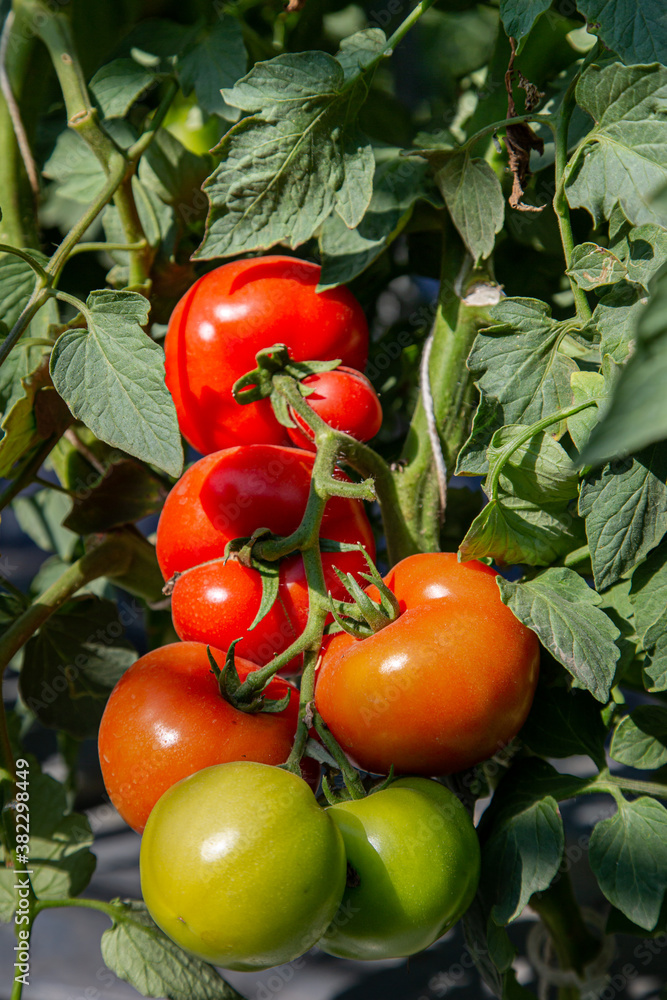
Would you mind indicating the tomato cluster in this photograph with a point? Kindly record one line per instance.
(240, 863)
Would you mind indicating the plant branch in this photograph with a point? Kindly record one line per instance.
(575, 945)
(530, 432)
(109, 558)
(14, 110)
(39, 296)
(560, 203)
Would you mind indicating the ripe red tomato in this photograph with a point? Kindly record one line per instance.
(445, 686)
(165, 719)
(346, 400)
(230, 314)
(228, 495)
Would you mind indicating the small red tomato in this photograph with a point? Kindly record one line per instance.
(165, 719)
(446, 685)
(229, 315)
(228, 495)
(346, 400)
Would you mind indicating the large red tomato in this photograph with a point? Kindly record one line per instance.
(445, 686)
(229, 315)
(228, 495)
(165, 719)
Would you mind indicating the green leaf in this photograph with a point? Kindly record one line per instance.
(525, 844)
(60, 856)
(615, 319)
(636, 29)
(398, 184)
(656, 666)
(626, 151)
(141, 955)
(637, 412)
(72, 664)
(34, 417)
(126, 493)
(474, 198)
(520, 372)
(298, 158)
(360, 49)
(560, 607)
(648, 595)
(539, 470)
(563, 723)
(585, 386)
(512, 530)
(17, 281)
(592, 266)
(625, 506)
(628, 854)
(41, 517)
(118, 85)
(518, 16)
(75, 167)
(641, 249)
(641, 738)
(112, 378)
(173, 173)
(214, 62)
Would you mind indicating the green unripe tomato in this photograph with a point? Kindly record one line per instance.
(416, 854)
(241, 866)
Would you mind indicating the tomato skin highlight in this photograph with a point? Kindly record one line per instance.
(344, 399)
(165, 719)
(228, 495)
(241, 866)
(417, 857)
(230, 314)
(445, 686)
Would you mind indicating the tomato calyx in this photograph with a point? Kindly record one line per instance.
(230, 684)
(259, 383)
(363, 617)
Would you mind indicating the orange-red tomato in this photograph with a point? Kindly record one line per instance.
(165, 719)
(229, 315)
(445, 686)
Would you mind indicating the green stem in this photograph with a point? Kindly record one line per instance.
(28, 472)
(560, 203)
(575, 946)
(405, 25)
(17, 252)
(614, 784)
(530, 432)
(105, 247)
(496, 126)
(86, 904)
(118, 169)
(111, 557)
(452, 393)
(136, 151)
(39, 296)
(363, 460)
(350, 775)
(77, 304)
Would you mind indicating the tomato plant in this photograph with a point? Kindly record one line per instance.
(459, 209)
(346, 400)
(415, 860)
(446, 685)
(226, 317)
(166, 719)
(222, 846)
